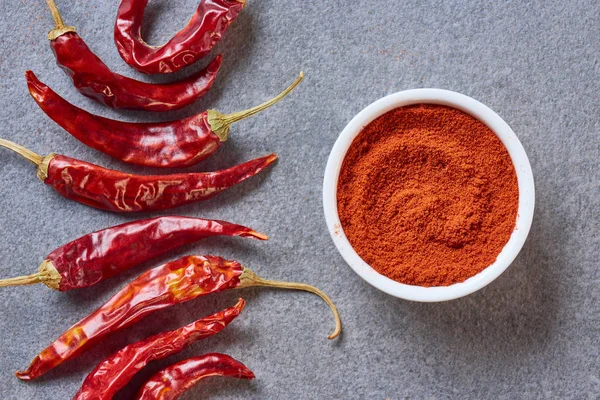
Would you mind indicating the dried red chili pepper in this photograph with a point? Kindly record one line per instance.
(194, 41)
(117, 191)
(112, 374)
(165, 144)
(100, 255)
(173, 381)
(94, 79)
(176, 282)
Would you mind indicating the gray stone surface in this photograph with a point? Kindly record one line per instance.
(533, 333)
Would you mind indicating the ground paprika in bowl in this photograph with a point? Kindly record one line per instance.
(428, 195)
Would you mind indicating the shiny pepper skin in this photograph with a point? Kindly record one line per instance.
(179, 143)
(194, 41)
(117, 191)
(122, 192)
(100, 255)
(95, 80)
(116, 371)
(176, 282)
(173, 381)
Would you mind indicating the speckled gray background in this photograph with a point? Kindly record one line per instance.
(534, 333)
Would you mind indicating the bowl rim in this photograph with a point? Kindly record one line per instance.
(518, 157)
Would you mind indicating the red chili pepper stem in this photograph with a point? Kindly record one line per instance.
(26, 153)
(47, 274)
(249, 279)
(40, 161)
(220, 123)
(59, 26)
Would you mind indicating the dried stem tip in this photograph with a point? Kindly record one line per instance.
(22, 151)
(42, 163)
(59, 26)
(250, 279)
(47, 274)
(220, 123)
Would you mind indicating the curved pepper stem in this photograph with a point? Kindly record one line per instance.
(41, 162)
(47, 274)
(59, 26)
(22, 151)
(237, 116)
(250, 279)
(220, 123)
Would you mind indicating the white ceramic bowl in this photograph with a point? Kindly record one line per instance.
(517, 155)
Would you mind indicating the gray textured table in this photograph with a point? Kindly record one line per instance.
(533, 333)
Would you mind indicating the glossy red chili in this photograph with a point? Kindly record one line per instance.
(176, 282)
(173, 381)
(165, 144)
(194, 41)
(112, 374)
(100, 255)
(94, 79)
(117, 191)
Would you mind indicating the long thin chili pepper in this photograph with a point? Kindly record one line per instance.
(100, 255)
(173, 381)
(94, 79)
(177, 143)
(194, 41)
(112, 374)
(117, 191)
(176, 282)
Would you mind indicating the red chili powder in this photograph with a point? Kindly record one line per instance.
(427, 195)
